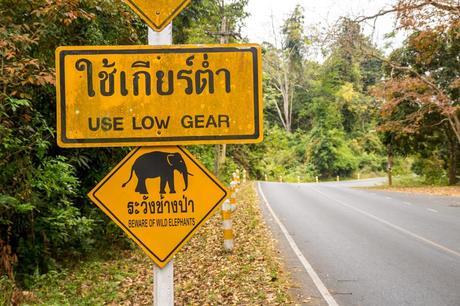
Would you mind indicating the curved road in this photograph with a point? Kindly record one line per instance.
(371, 247)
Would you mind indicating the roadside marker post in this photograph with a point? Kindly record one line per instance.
(163, 279)
(244, 176)
(228, 208)
(236, 180)
(233, 199)
(227, 225)
(317, 179)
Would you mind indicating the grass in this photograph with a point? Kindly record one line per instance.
(6, 290)
(92, 282)
(204, 273)
(410, 181)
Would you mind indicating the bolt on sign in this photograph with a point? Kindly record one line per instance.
(158, 13)
(160, 196)
(149, 95)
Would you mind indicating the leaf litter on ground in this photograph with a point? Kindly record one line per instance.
(204, 273)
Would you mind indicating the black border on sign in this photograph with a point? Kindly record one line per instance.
(113, 216)
(134, 140)
(167, 19)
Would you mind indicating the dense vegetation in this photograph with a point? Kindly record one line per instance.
(350, 113)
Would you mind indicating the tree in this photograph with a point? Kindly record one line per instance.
(430, 62)
(421, 91)
(420, 15)
(284, 66)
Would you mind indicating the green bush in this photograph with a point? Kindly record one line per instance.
(284, 156)
(402, 166)
(330, 154)
(432, 170)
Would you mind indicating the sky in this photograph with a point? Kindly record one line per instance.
(323, 12)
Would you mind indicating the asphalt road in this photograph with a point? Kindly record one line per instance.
(374, 248)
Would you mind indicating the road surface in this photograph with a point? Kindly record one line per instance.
(370, 247)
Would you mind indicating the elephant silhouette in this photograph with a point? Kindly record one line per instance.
(158, 164)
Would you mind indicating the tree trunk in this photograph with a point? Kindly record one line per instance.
(453, 158)
(390, 164)
(216, 160)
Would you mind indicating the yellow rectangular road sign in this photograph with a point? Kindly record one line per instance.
(160, 196)
(159, 13)
(116, 96)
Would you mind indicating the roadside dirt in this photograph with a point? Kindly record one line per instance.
(206, 275)
(439, 191)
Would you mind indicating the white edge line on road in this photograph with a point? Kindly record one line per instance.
(432, 210)
(398, 228)
(311, 272)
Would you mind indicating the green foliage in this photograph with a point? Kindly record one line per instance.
(284, 155)
(44, 214)
(330, 154)
(44, 225)
(294, 40)
(333, 114)
(202, 22)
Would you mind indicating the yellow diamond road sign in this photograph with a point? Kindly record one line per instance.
(148, 95)
(157, 13)
(160, 196)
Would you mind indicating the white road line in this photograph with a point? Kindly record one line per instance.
(389, 198)
(313, 275)
(432, 210)
(398, 228)
(408, 203)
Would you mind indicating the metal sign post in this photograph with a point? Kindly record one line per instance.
(163, 285)
(163, 279)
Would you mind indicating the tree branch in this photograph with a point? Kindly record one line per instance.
(400, 8)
